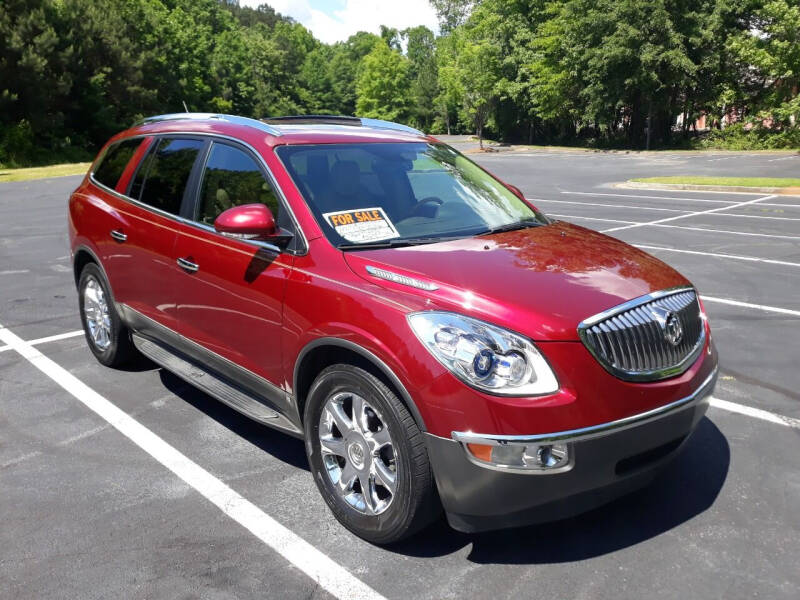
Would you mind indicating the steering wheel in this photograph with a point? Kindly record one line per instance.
(415, 212)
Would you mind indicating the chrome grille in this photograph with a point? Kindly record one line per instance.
(631, 340)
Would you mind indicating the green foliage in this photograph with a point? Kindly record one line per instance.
(739, 137)
(620, 72)
(382, 88)
(597, 72)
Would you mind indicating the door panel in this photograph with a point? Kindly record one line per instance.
(142, 245)
(232, 303)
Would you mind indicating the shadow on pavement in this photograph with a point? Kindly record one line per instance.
(687, 487)
(276, 443)
(684, 489)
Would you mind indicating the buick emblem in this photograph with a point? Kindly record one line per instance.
(673, 330)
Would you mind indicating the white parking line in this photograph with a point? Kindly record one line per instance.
(610, 205)
(15, 272)
(718, 255)
(693, 214)
(328, 574)
(685, 227)
(755, 413)
(675, 210)
(775, 309)
(49, 338)
(661, 197)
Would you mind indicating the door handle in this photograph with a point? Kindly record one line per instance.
(188, 265)
(118, 235)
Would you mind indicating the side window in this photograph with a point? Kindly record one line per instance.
(232, 178)
(114, 162)
(163, 176)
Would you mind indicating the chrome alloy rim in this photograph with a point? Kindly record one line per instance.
(358, 453)
(95, 309)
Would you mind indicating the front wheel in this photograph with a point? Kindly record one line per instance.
(368, 456)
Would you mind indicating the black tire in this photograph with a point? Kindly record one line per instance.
(120, 351)
(415, 503)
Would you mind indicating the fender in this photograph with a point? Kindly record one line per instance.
(380, 364)
(96, 260)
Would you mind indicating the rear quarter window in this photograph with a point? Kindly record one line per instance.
(114, 161)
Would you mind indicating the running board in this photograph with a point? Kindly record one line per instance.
(208, 382)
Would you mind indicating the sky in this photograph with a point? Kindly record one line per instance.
(336, 20)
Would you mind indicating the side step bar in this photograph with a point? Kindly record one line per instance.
(209, 383)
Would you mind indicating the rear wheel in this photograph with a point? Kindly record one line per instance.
(108, 338)
(368, 456)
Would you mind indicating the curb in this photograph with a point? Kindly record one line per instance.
(638, 185)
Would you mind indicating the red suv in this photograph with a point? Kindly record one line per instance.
(435, 339)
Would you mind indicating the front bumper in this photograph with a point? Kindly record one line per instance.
(608, 460)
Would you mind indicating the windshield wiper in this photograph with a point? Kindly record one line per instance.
(393, 243)
(521, 224)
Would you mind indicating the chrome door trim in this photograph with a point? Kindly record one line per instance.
(280, 399)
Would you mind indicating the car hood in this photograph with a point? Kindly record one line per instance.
(541, 281)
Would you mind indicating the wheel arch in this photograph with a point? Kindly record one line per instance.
(326, 351)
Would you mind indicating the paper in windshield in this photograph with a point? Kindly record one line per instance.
(362, 226)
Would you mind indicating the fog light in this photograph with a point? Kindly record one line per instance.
(549, 456)
(521, 457)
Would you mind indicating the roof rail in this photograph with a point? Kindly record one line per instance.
(380, 124)
(341, 120)
(270, 124)
(212, 116)
(314, 120)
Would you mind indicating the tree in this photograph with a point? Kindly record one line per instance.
(382, 89)
(423, 72)
(769, 51)
(452, 13)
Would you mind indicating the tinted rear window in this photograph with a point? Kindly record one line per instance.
(114, 162)
(167, 173)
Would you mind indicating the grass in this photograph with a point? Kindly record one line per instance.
(776, 182)
(43, 172)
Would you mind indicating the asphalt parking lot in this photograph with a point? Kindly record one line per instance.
(132, 484)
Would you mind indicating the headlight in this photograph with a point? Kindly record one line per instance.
(489, 358)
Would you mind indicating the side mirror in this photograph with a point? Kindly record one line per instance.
(249, 221)
(516, 191)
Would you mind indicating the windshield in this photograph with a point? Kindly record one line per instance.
(377, 194)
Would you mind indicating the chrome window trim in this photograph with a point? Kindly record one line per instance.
(281, 196)
(595, 431)
(641, 376)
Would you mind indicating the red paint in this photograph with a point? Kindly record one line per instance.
(260, 309)
(248, 219)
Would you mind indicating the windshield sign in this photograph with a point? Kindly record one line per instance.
(389, 194)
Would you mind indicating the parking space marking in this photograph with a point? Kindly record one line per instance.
(49, 338)
(693, 214)
(662, 197)
(15, 272)
(755, 413)
(718, 255)
(675, 210)
(748, 233)
(775, 309)
(609, 205)
(328, 574)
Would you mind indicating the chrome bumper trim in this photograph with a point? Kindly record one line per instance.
(595, 431)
